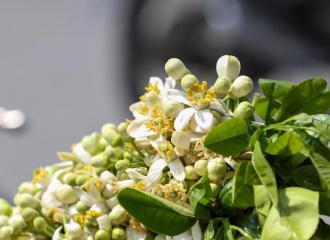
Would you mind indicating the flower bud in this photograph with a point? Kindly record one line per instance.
(122, 176)
(70, 179)
(81, 207)
(190, 173)
(26, 200)
(100, 161)
(172, 108)
(27, 187)
(102, 234)
(66, 194)
(118, 233)
(118, 215)
(91, 143)
(216, 168)
(244, 110)
(222, 85)
(188, 81)
(39, 224)
(113, 153)
(5, 208)
(3, 220)
(111, 136)
(175, 68)
(6, 232)
(29, 214)
(215, 189)
(18, 224)
(228, 66)
(81, 179)
(122, 165)
(200, 167)
(242, 86)
(122, 130)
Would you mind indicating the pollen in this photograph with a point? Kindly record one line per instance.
(92, 181)
(199, 94)
(139, 185)
(152, 88)
(135, 224)
(39, 174)
(160, 123)
(174, 191)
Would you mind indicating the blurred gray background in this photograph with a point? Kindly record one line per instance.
(72, 66)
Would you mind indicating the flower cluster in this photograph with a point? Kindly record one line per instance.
(160, 151)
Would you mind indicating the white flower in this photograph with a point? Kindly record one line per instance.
(72, 231)
(135, 234)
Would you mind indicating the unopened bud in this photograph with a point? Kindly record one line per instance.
(216, 168)
(175, 68)
(172, 108)
(188, 81)
(118, 233)
(39, 224)
(122, 165)
(228, 66)
(102, 234)
(29, 214)
(66, 194)
(200, 167)
(244, 110)
(118, 215)
(222, 85)
(190, 173)
(122, 130)
(242, 86)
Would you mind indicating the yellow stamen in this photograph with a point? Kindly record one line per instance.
(39, 174)
(92, 181)
(152, 88)
(160, 123)
(200, 94)
(139, 185)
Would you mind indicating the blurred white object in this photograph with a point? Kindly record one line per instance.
(11, 119)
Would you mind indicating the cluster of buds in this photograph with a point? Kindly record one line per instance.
(160, 151)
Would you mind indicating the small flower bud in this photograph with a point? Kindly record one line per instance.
(100, 161)
(111, 136)
(29, 214)
(5, 208)
(122, 130)
(215, 189)
(122, 165)
(39, 224)
(118, 215)
(81, 207)
(242, 86)
(113, 153)
(200, 167)
(122, 176)
(3, 220)
(70, 179)
(228, 66)
(172, 108)
(216, 168)
(102, 234)
(18, 224)
(27, 200)
(188, 81)
(190, 173)
(175, 68)
(118, 233)
(27, 187)
(66, 194)
(91, 143)
(222, 85)
(81, 179)
(244, 110)
(6, 232)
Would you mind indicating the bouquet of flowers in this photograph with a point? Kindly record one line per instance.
(196, 162)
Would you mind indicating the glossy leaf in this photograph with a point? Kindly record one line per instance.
(285, 145)
(242, 193)
(265, 172)
(295, 217)
(310, 96)
(322, 167)
(228, 138)
(306, 176)
(251, 176)
(267, 108)
(275, 89)
(226, 199)
(156, 213)
(262, 202)
(322, 122)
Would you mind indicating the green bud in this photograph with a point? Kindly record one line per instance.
(3, 220)
(111, 136)
(29, 214)
(81, 179)
(200, 167)
(39, 223)
(18, 225)
(6, 232)
(188, 81)
(122, 165)
(67, 156)
(160, 237)
(175, 68)
(244, 110)
(91, 143)
(118, 215)
(122, 176)
(216, 168)
(27, 187)
(100, 161)
(70, 179)
(122, 130)
(27, 200)
(228, 66)
(102, 234)
(190, 173)
(81, 207)
(222, 85)
(118, 233)
(215, 189)
(90, 222)
(5, 208)
(172, 108)
(242, 86)
(113, 153)
(66, 194)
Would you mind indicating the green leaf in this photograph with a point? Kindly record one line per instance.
(265, 172)
(199, 195)
(225, 198)
(251, 176)
(306, 176)
(324, 204)
(228, 138)
(267, 108)
(242, 196)
(158, 214)
(310, 96)
(322, 166)
(275, 89)
(285, 145)
(322, 122)
(262, 202)
(295, 217)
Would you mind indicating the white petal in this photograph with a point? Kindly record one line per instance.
(205, 120)
(178, 96)
(181, 139)
(182, 120)
(196, 231)
(137, 129)
(158, 81)
(169, 83)
(81, 153)
(177, 169)
(104, 222)
(184, 236)
(159, 164)
(74, 230)
(134, 234)
(219, 106)
(100, 207)
(194, 136)
(135, 109)
(133, 173)
(157, 142)
(84, 197)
